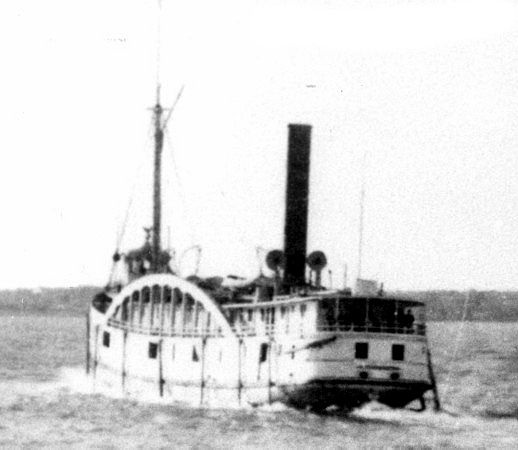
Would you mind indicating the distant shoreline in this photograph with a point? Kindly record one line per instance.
(442, 305)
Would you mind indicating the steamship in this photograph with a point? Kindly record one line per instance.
(284, 337)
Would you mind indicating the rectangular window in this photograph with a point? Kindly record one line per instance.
(361, 350)
(152, 350)
(195, 357)
(398, 352)
(106, 339)
(263, 353)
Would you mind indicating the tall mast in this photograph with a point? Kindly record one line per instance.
(157, 201)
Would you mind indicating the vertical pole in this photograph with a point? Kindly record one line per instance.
(157, 202)
(360, 233)
(362, 213)
(96, 345)
(239, 381)
(160, 369)
(202, 382)
(270, 370)
(123, 371)
(88, 342)
(436, 402)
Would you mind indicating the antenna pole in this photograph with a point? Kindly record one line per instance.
(362, 202)
(360, 234)
(157, 201)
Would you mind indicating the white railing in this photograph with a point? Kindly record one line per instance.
(267, 330)
(166, 332)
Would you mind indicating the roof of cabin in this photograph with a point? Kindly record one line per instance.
(324, 295)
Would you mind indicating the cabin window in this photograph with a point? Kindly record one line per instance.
(174, 351)
(155, 305)
(208, 324)
(327, 313)
(381, 315)
(125, 312)
(188, 311)
(177, 305)
(106, 339)
(198, 313)
(195, 357)
(361, 350)
(302, 310)
(250, 315)
(134, 305)
(156, 293)
(146, 294)
(263, 352)
(152, 350)
(398, 352)
(167, 294)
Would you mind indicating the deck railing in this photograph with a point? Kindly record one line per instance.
(166, 332)
(419, 328)
(269, 329)
(272, 329)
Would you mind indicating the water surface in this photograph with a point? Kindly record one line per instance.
(45, 400)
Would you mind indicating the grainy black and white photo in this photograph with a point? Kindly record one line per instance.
(281, 224)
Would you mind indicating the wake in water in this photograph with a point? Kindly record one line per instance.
(69, 404)
(74, 380)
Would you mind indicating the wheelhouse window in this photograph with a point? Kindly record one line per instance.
(371, 314)
(361, 350)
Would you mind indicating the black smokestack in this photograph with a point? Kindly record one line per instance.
(297, 192)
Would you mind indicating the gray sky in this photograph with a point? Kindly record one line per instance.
(427, 89)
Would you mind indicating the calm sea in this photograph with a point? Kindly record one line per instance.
(45, 400)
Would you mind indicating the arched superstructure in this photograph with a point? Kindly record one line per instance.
(166, 305)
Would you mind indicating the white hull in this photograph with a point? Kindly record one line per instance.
(314, 370)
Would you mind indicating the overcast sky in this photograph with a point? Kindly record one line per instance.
(427, 90)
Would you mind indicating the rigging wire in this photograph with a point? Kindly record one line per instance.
(122, 228)
(172, 108)
(192, 230)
